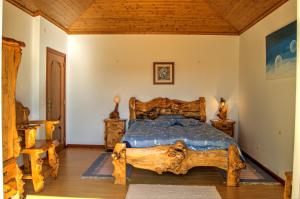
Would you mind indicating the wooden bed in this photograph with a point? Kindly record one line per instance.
(176, 158)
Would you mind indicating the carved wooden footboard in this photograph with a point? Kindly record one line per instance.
(176, 158)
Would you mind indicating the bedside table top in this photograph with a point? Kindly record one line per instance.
(228, 121)
(114, 120)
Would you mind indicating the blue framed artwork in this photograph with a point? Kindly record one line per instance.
(281, 47)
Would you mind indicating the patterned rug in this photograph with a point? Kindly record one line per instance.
(150, 191)
(253, 174)
(102, 168)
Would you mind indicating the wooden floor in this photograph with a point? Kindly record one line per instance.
(74, 161)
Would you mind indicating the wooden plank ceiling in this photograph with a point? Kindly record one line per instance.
(225, 17)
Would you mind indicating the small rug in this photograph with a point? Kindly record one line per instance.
(147, 191)
(253, 174)
(102, 168)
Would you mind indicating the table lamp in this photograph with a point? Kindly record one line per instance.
(222, 109)
(115, 113)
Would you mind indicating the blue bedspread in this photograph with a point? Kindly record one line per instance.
(166, 131)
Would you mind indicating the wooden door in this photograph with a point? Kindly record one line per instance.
(56, 93)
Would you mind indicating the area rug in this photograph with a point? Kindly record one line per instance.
(149, 191)
(253, 174)
(102, 168)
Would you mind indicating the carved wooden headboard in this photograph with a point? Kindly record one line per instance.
(165, 106)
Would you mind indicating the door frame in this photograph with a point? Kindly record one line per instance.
(51, 50)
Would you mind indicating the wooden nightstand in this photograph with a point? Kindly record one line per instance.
(114, 131)
(227, 126)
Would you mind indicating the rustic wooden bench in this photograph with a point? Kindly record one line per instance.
(33, 149)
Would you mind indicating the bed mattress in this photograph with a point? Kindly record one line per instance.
(165, 131)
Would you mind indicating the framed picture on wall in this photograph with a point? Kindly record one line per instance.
(163, 72)
(281, 50)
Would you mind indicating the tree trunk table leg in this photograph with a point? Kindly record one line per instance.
(119, 162)
(50, 127)
(36, 169)
(234, 166)
(27, 165)
(53, 160)
(20, 182)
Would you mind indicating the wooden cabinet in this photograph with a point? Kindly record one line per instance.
(227, 126)
(114, 131)
(11, 57)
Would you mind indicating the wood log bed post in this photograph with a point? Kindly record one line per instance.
(132, 108)
(202, 111)
(119, 162)
(235, 164)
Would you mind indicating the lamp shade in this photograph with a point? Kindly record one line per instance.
(117, 99)
(222, 101)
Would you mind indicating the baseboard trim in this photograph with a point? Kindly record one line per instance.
(85, 146)
(271, 173)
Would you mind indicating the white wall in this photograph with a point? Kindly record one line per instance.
(267, 107)
(102, 66)
(18, 25)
